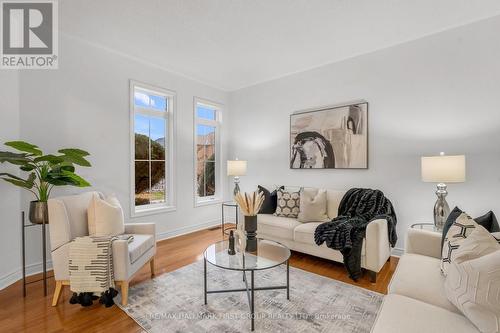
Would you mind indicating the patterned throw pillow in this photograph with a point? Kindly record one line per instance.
(288, 204)
(463, 226)
(472, 286)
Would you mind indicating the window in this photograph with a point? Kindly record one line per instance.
(152, 148)
(207, 117)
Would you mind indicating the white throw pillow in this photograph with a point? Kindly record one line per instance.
(313, 206)
(458, 232)
(105, 216)
(473, 287)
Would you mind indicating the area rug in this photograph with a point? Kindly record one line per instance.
(173, 302)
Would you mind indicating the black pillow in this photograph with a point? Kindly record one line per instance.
(488, 221)
(270, 200)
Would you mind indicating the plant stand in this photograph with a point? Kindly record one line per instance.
(24, 226)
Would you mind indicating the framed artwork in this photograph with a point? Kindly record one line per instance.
(330, 138)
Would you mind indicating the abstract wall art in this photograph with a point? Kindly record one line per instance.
(330, 138)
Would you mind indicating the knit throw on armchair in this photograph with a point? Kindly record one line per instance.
(346, 232)
(91, 269)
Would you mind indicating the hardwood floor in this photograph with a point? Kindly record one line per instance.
(35, 313)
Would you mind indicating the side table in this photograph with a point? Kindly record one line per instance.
(426, 226)
(228, 204)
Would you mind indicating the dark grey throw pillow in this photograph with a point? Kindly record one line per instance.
(488, 221)
(270, 200)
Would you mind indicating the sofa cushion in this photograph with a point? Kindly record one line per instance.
(313, 205)
(333, 198)
(419, 277)
(140, 245)
(404, 314)
(276, 226)
(288, 203)
(304, 233)
(270, 200)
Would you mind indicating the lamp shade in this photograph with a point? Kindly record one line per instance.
(443, 169)
(236, 168)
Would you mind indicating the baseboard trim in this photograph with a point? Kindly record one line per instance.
(397, 252)
(17, 274)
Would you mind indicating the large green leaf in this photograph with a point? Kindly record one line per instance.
(64, 177)
(14, 158)
(76, 159)
(52, 159)
(25, 146)
(28, 167)
(57, 181)
(19, 181)
(73, 151)
(2, 174)
(58, 168)
(73, 176)
(31, 178)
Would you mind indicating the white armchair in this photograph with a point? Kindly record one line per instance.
(68, 220)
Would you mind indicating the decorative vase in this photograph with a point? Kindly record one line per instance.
(231, 251)
(251, 231)
(39, 212)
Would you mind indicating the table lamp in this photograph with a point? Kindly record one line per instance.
(236, 168)
(442, 169)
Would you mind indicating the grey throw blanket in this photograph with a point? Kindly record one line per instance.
(346, 232)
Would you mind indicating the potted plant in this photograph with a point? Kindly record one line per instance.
(44, 172)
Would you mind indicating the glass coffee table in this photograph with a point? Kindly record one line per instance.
(269, 254)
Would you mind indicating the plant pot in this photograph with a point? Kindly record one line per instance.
(251, 231)
(39, 212)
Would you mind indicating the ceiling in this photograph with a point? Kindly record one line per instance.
(231, 44)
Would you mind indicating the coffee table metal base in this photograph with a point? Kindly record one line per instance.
(249, 290)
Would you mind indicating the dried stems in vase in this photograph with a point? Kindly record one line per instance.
(250, 203)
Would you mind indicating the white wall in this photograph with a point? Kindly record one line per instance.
(10, 235)
(440, 93)
(85, 104)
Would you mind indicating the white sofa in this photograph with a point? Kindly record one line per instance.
(299, 236)
(416, 301)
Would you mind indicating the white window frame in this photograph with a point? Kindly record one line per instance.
(217, 197)
(169, 115)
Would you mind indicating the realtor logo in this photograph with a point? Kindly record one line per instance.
(29, 36)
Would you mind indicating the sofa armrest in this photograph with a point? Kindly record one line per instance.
(140, 228)
(423, 242)
(378, 249)
(121, 260)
